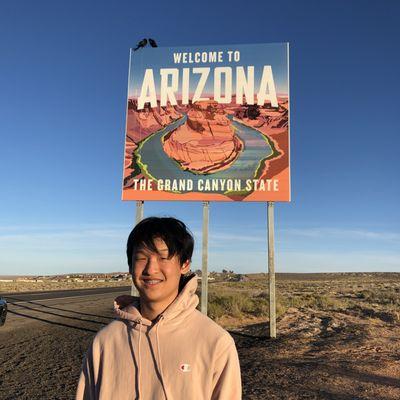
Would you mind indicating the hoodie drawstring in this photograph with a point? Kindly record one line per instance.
(159, 357)
(140, 358)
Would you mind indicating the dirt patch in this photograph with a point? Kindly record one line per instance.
(321, 356)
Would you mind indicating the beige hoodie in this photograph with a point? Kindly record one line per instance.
(183, 355)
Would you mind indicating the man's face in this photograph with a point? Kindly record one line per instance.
(156, 275)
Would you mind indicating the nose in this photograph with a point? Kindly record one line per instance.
(151, 266)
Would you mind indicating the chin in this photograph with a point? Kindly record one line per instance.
(154, 294)
(152, 297)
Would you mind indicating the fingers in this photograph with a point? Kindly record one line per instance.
(123, 300)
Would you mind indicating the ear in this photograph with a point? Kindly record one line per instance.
(185, 267)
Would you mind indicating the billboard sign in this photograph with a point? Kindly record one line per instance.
(208, 123)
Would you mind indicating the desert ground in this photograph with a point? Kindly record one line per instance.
(338, 337)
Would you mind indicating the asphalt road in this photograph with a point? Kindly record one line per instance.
(45, 337)
(62, 307)
(60, 294)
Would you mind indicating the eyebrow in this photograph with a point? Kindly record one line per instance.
(143, 250)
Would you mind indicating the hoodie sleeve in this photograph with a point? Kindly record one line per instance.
(86, 385)
(227, 383)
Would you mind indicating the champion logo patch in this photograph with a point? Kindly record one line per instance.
(185, 368)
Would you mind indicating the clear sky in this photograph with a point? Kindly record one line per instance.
(63, 88)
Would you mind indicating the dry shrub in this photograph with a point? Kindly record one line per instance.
(317, 301)
(234, 305)
(241, 305)
(379, 296)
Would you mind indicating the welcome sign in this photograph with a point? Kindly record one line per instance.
(208, 123)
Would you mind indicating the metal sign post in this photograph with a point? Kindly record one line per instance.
(271, 271)
(204, 267)
(139, 217)
(139, 211)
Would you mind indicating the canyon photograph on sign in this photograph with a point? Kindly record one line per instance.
(209, 123)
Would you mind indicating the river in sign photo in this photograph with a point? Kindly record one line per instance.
(158, 165)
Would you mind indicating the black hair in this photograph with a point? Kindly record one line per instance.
(173, 232)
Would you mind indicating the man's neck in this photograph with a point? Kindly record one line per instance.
(151, 310)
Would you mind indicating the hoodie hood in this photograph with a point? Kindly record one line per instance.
(183, 305)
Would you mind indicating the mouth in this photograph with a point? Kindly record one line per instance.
(151, 282)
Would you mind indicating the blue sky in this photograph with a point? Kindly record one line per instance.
(63, 87)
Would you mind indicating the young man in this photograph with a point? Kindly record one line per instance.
(161, 347)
